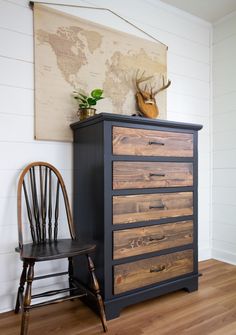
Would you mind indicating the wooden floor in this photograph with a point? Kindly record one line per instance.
(210, 311)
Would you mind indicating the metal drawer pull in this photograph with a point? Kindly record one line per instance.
(159, 269)
(158, 207)
(157, 143)
(156, 174)
(157, 238)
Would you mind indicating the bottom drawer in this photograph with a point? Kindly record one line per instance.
(152, 270)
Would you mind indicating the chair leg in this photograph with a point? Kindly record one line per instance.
(97, 292)
(27, 300)
(19, 298)
(71, 274)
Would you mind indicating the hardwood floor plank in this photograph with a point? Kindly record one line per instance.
(209, 311)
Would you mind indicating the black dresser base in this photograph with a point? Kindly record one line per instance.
(114, 307)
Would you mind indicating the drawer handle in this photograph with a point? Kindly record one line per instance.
(156, 174)
(157, 238)
(159, 269)
(157, 207)
(155, 143)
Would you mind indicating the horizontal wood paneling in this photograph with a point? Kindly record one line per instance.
(223, 123)
(137, 241)
(224, 195)
(224, 159)
(143, 142)
(204, 180)
(16, 18)
(16, 45)
(182, 104)
(151, 174)
(15, 155)
(18, 122)
(8, 211)
(8, 238)
(24, 70)
(220, 49)
(189, 86)
(189, 49)
(224, 178)
(183, 66)
(204, 160)
(151, 270)
(148, 207)
(225, 102)
(224, 213)
(22, 104)
(224, 29)
(223, 78)
(227, 232)
(224, 140)
(12, 266)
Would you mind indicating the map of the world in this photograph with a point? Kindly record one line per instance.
(75, 54)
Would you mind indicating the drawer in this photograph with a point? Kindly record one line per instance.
(144, 142)
(151, 174)
(149, 271)
(137, 241)
(147, 207)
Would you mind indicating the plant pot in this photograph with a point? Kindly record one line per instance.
(85, 113)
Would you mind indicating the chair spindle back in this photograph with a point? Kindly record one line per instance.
(41, 184)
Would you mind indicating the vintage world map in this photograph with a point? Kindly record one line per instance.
(72, 53)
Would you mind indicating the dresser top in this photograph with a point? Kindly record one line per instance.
(135, 120)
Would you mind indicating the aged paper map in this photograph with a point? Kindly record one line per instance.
(73, 53)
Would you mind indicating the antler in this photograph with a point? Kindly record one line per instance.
(162, 87)
(141, 79)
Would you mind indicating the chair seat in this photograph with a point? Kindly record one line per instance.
(55, 250)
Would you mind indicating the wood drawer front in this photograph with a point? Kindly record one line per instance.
(151, 174)
(137, 241)
(147, 207)
(143, 142)
(152, 270)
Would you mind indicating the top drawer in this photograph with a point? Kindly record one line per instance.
(144, 142)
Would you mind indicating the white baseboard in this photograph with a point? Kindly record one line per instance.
(204, 254)
(224, 256)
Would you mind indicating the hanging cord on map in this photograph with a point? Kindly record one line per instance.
(31, 3)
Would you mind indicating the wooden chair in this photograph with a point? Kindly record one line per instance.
(36, 183)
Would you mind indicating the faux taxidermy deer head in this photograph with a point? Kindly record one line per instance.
(146, 97)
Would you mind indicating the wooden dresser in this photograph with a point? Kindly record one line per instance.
(135, 194)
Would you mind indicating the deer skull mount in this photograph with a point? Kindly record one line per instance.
(146, 97)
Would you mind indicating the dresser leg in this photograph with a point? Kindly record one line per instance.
(193, 286)
(112, 312)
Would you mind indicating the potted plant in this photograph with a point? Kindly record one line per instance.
(87, 102)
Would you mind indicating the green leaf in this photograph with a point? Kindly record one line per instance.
(83, 100)
(92, 101)
(97, 93)
(83, 106)
(83, 96)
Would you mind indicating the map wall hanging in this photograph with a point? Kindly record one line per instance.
(73, 53)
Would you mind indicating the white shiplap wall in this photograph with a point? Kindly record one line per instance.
(224, 139)
(188, 39)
